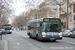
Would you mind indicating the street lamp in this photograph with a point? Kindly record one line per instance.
(37, 12)
(18, 25)
(67, 13)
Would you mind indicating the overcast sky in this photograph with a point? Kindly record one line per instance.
(19, 6)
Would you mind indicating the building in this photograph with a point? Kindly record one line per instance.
(50, 8)
(59, 9)
(63, 16)
(73, 14)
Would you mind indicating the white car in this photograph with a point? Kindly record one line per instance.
(67, 33)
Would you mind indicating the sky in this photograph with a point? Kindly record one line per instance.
(19, 6)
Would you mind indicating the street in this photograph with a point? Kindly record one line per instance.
(44, 19)
(19, 40)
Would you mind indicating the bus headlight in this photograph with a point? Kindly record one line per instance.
(60, 35)
(10, 30)
(43, 36)
(43, 33)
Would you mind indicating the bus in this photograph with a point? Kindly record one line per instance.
(8, 28)
(45, 29)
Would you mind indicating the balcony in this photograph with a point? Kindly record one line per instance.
(65, 14)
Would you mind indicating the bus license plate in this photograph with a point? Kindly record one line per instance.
(52, 38)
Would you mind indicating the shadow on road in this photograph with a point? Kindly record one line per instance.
(43, 41)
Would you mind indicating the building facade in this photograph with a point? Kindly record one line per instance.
(52, 8)
(63, 16)
(60, 10)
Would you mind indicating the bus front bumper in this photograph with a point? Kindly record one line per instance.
(51, 38)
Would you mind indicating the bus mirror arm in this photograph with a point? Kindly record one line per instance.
(41, 24)
(62, 23)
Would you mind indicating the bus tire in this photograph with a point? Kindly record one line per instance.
(30, 36)
(37, 37)
(54, 40)
(10, 32)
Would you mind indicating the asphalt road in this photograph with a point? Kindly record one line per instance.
(1, 45)
(19, 40)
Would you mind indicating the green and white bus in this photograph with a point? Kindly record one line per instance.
(45, 29)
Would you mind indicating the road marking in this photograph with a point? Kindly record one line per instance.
(20, 47)
(68, 42)
(15, 46)
(6, 45)
(9, 38)
(18, 43)
(35, 48)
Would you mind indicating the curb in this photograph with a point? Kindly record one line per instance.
(6, 45)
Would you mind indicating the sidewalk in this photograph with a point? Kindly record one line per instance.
(3, 45)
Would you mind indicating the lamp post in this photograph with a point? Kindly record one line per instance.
(18, 25)
(37, 12)
(67, 13)
(60, 8)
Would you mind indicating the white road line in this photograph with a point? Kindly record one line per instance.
(68, 42)
(18, 43)
(6, 45)
(9, 38)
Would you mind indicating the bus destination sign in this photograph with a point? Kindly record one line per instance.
(50, 19)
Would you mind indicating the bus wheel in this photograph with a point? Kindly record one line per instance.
(37, 37)
(30, 36)
(54, 40)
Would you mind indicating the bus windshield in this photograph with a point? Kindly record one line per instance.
(51, 27)
(7, 27)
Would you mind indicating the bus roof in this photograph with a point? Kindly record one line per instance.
(6, 25)
(35, 20)
(39, 20)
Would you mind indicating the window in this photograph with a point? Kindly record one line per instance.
(74, 8)
(74, 17)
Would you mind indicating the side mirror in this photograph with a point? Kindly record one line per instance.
(61, 23)
(41, 24)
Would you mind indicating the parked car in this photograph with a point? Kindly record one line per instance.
(63, 31)
(0, 32)
(3, 31)
(73, 34)
(67, 33)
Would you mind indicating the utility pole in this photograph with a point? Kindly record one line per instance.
(67, 14)
(47, 13)
(37, 14)
(60, 9)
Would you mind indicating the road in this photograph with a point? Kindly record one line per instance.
(19, 40)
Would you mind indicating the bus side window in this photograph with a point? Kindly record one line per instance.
(29, 27)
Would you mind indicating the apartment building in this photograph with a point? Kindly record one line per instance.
(61, 11)
(53, 10)
(63, 16)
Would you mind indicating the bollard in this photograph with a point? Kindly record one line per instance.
(1, 36)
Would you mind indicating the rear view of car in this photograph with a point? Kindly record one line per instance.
(3, 31)
(63, 31)
(67, 33)
(73, 34)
